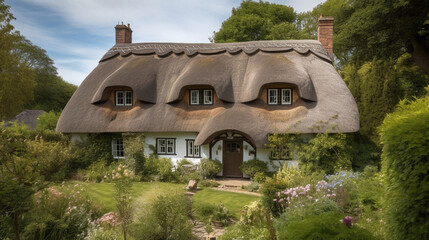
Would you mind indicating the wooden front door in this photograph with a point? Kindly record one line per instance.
(232, 158)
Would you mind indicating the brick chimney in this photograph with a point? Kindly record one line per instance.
(123, 34)
(325, 33)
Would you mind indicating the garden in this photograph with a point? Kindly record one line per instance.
(51, 188)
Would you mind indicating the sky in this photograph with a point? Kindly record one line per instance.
(77, 33)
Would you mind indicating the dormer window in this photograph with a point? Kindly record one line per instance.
(124, 98)
(279, 96)
(201, 97)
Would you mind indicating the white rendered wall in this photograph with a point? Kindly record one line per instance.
(150, 139)
(263, 155)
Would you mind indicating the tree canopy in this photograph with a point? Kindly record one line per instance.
(28, 77)
(254, 21)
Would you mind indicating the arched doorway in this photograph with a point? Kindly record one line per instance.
(233, 145)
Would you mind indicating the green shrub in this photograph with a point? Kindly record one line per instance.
(241, 231)
(165, 170)
(259, 177)
(325, 152)
(161, 169)
(252, 187)
(326, 226)
(269, 190)
(221, 214)
(48, 120)
(185, 171)
(134, 151)
(95, 172)
(208, 183)
(165, 218)
(209, 168)
(60, 215)
(405, 138)
(95, 148)
(203, 212)
(251, 167)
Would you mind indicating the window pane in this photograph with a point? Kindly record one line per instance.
(128, 98)
(195, 97)
(196, 151)
(161, 146)
(190, 148)
(170, 146)
(286, 96)
(119, 98)
(272, 96)
(208, 96)
(117, 148)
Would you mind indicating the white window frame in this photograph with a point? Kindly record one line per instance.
(128, 98)
(118, 148)
(191, 100)
(123, 100)
(289, 95)
(192, 150)
(208, 96)
(270, 92)
(166, 146)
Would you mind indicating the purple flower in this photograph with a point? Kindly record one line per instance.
(348, 221)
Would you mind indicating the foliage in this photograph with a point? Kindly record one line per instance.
(405, 138)
(253, 214)
(325, 152)
(209, 168)
(269, 190)
(134, 151)
(221, 214)
(97, 232)
(48, 120)
(252, 187)
(123, 178)
(165, 218)
(259, 21)
(28, 77)
(95, 172)
(241, 231)
(251, 167)
(186, 170)
(259, 177)
(232, 200)
(25, 164)
(302, 202)
(96, 147)
(60, 215)
(209, 183)
(324, 226)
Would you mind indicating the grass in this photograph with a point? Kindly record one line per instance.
(104, 193)
(231, 200)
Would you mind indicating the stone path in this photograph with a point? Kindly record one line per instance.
(199, 231)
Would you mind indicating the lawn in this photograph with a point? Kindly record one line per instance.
(104, 193)
(231, 200)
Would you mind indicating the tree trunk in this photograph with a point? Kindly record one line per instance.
(15, 225)
(420, 52)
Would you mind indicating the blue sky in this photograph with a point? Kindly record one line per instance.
(77, 33)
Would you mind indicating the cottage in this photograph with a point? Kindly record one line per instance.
(218, 101)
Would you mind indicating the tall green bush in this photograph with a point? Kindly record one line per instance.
(209, 168)
(134, 151)
(405, 166)
(251, 167)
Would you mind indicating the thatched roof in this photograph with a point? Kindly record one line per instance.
(160, 73)
(27, 117)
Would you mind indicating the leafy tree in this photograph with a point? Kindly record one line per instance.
(259, 21)
(16, 77)
(28, 77)
(48, 120)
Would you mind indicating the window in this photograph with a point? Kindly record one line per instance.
(191, 149)
(279, 96)
(117, 148)
(201, 97)
(124, 98)
(208, 96)
(272, 96)
(195, 97)
(280, 152)
(166, 146)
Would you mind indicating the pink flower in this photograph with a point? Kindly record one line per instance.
(274, 200)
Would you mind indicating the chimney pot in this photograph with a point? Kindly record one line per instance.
(123, 34)
(325, 33)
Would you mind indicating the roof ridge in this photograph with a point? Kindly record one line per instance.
(165, 48)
